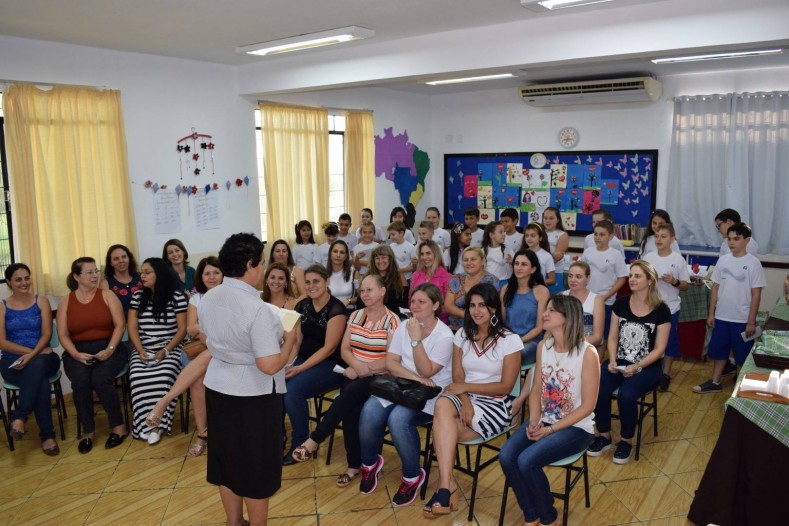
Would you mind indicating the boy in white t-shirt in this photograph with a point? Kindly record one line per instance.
(344, 224)
(725, 219)
(366, 217)
(440, 235)
(737, 283)
(361, 252)
(330, 232)
(404, 251)
(609, 271)
(509, 219)
(471, 218)
(599, 215)
(674, 277)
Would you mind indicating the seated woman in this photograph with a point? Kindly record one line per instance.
(421, 350)
(90, 327)
(208, 276)
(318, 339)
(363, 348)
(561, 422)
(594, 308)
(343, 278)
(382, 263)
(121, 275)
(486, 363)
(523, 301)
(280, 253)
(27, 359)
(639, 333)
(278, 287)
(474, 273)
(157, 326)
(430, 269)
(175, 254)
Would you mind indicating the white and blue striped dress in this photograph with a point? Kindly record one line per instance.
(150, 382)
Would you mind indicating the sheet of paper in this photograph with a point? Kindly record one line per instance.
(166, 212)
(206, 210)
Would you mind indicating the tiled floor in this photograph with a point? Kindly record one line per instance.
(137, 484)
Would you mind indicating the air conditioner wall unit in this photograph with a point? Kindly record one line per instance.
(635, 89)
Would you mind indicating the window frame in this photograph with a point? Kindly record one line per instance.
(7, 198)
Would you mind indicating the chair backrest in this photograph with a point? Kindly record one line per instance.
(54, 342)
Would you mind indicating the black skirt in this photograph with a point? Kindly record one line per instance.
(245, 454)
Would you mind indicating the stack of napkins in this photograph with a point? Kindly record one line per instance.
(775, 342)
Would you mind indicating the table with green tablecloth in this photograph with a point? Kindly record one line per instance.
(692, 328)
(746, 481)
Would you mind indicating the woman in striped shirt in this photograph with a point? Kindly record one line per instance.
(363, 348)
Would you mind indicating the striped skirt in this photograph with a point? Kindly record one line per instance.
(492, 414)
(149, 383)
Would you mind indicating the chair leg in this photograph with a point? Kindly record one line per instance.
(567, 488)
(59, 403)
(125, 391)
(6, 427)
(475, 479)
(331, 446)
(586, 482)
(185, 425)
(428, 464)
(654, 403)
(503, 502)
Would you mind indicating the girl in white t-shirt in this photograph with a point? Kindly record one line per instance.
(594, 309)
(534, 239)
(485, 366)
(558, 240)
(561, 405)
(305, 251)
(498, 257)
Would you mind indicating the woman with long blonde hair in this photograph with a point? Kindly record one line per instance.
(640, 324)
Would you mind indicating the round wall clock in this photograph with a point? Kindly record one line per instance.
(568, 137)
(538, 160)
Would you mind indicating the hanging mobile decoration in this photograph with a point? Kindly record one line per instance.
(187, 153)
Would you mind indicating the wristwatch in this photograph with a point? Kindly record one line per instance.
(111, 347)
(414, 343)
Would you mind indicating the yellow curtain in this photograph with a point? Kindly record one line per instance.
(296, 167)
(359, 161)
(69, 177)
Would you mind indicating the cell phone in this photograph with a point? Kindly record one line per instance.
(16, 364)
(90, 361)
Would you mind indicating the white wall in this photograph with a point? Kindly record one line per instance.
(163, 99)
(398, 110)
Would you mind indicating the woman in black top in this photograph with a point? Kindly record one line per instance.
(382, 263)
(318, 338)
(639, 331)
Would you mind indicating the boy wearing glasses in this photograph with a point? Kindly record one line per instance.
(737, 283)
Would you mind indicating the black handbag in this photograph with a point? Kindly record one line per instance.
(409, 393)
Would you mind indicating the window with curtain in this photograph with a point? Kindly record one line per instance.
(6, 228)
(68, 165)
(336, 197)
(359, 161)
(731, 151)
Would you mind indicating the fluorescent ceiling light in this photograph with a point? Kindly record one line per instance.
(308, 41)
(550, 5)
(469, 79)
(718, 56)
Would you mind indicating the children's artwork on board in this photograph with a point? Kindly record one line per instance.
(486, 215)
(535, 217)
(609, 192)
(484, 195)
(535, 200)
(572, 200)
(494, 173)
(576, 175)
(506, 196)
(515, 173)
(569, 220)
(536, 179)
(470, 185)
(558, 176)
(591, 200)
(591, 176)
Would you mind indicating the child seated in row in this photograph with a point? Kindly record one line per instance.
(607, 264)
(404, 252)
(672, 271)
(344, 224)
(558, 240)
(471, 219)
(366, 218)
(398, 214)
(509, 219)
(498, 257)
(305, 251)
(330, 233)
(440, 236)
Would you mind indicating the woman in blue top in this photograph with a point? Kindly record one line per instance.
(523, 302)
(27, 360)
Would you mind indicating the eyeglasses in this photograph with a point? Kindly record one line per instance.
(718, 225)
(89, 272)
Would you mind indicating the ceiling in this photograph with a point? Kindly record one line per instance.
(209, 30)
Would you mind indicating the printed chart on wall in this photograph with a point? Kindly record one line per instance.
(577, 183)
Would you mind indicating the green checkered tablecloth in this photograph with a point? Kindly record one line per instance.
(781, 310)
(695, 303)
(770, 416)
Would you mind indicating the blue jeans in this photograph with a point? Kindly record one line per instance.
(34, 391)
(630, 390)
(312, 382)
(529, 352)
(522, 461)
(402, 423)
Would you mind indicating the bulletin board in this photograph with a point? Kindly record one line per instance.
(621, 181)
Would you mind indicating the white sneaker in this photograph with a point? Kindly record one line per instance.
(143, 435)
(154, 437)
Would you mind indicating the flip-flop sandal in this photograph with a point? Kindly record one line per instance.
(344, 479)
(302, 454)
